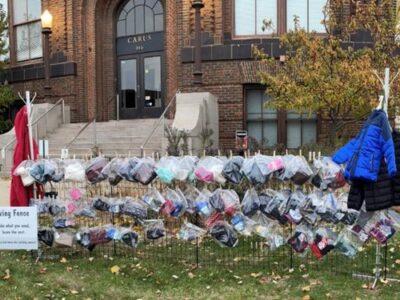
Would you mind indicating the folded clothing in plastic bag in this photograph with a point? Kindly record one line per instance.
(94, 169)
(23, 170)
(251, 202)
(232, 168)
(324, 242)
(224, 234)
(63, 239)
(90, 238)
(126, 169)
(167, 168)
(190, 232)
(154, 229)
(74, 170)
(129, 238)
(301, 239)
(135, 209)
(110, 171)
(154, 199)
(46, 236)
(144, 171)
(203, 206)
(209, 169)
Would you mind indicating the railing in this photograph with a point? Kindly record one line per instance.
(158, 122)
(116, 97)
(92, 121)
(34, 123)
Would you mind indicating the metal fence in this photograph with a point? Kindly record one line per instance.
(252, 251)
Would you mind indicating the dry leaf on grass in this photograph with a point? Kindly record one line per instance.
(63, 260)
(306, 297)
(74, 292)
(255, 275)
(306, 288)
(191, 275)
(7, 275)
(43, 270)
(115, 269)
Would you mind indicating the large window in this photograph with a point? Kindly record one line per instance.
(139, 17)
(4, 35)
(250, 14)
(27, 29)
(268, 127)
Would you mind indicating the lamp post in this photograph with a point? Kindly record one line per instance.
(47, 24)
(197, 5)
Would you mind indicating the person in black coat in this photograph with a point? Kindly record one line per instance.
(383, 193)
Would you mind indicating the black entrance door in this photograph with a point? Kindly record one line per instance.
(139, 45)
(140, 86)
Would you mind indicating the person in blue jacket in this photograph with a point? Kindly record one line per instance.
(363, 154)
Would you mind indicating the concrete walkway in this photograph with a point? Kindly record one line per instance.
(4, 192)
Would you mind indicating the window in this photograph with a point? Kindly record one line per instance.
(28, 29)
(262, 123)
(139, 17)
(266, 127)
(309, 12)
(250, 14)
(5, 57)
(301, 129)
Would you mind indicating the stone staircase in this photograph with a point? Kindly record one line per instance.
(112, 138)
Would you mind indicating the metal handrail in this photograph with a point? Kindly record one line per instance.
(158, 122)
(61, 100)
(14, 139)
(93, 120)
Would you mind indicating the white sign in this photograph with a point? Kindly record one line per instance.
(18, 228)
(64, 153)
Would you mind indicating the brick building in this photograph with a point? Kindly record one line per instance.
(143, 50)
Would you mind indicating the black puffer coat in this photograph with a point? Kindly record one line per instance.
(383, 193)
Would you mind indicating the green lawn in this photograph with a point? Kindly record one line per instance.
(92, 278)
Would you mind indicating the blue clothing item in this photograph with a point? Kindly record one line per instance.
(364, 153)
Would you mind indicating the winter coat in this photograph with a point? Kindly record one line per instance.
(383, 193)
(364, 153)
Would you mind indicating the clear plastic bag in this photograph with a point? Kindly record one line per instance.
(154, 199)
(44, 171)
(135, 209)
(250, 203)
(144, 171)
(324, 242)
(23, 170)
(330, 173)
(129, 237)
(276, 207)
(224, 234)
(209, 169)
(380, 227)
(90, 238)
(175, 203)
(232, 168)
(251, 169)
(126, 168)
(63, 223)
(296, 169)
(203, 206)
(74, 170)
(243, 224)
(86, 211)
(110, 171)
(225, 201)
(167, 168)
(301, 239)
(63, 239)
(101, 204)
(94, 169)
(154, 229)
(186, 166)
(190, 232)
(191, 194)
(347, 243)
(46, 236)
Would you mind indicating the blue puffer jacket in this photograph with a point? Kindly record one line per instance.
(363, 154)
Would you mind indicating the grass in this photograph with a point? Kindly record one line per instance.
(92, 278)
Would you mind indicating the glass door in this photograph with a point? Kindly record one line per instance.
(128, 87)
(140, 86)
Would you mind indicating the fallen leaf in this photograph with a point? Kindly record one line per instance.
(328, 295)
(397, 261)
(255, 275)
(63, 260)
(115, 269)
(291, 270)
(263, 279)
(74, 292)
(191, 275)
(7, 275)
(306, 288)
(175, 276)
(305, 275)
(69, 269)
(237, 277)
(240, 282)
(91, 258)
(208, 287)
(306, 297)
(43, 270)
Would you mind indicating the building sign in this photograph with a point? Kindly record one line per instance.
(242, 141)
(18, 228)
(140, 43)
